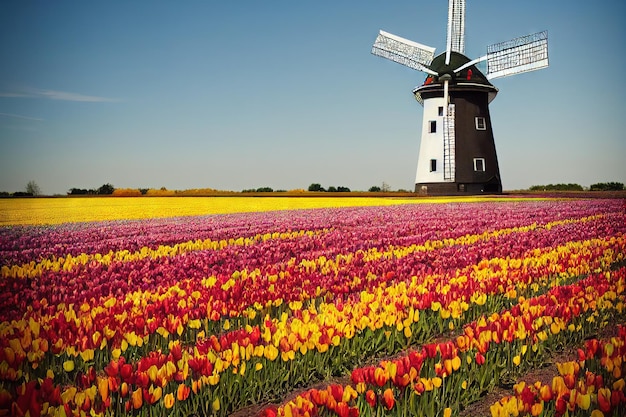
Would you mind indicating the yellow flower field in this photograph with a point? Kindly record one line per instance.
(30, 211)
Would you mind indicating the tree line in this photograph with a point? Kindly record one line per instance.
(32, 189)
(601, 186)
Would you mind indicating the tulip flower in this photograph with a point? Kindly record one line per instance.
(68, 366)
(388, 399)
(137, 399)
(604, 399)
(182, 393)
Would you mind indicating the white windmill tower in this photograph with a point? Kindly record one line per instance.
(457, 151)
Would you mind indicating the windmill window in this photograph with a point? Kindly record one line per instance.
(479, 164)
(481, 124)
(433, 165)
(433, 126)
(440, 110)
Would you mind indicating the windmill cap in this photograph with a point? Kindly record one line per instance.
(457, 60)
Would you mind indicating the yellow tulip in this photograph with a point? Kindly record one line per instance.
(87, 355)
(169, 400)
(583, 400)
(68, 366)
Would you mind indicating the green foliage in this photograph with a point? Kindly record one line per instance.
(264, 190)
(106, 189)
(331, 189)
(80, 191)
(557, 187)
(607, 186)
(32, 188)
(316, 187)
(375, 189)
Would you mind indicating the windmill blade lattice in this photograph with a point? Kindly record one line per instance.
(456, 28)
(403, 51)
(526, 53)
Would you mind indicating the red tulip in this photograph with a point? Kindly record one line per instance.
(342, 409)
(604, 400)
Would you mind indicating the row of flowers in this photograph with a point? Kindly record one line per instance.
(443, 378)
(262, 314)
(592, 385)
(23, 244)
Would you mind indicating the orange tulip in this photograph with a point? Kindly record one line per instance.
(536, 409)
(545, 393)
(103, 387)
(388, 399)
(124, 389)
(183, 392)
(137, 399)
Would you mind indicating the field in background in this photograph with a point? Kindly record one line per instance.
(31, 211)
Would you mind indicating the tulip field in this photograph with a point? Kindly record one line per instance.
(378, 310)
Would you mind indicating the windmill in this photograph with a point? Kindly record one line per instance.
(457, 150)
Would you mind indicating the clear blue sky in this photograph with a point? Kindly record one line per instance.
(246, 94)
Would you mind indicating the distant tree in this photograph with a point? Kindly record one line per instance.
(332, 189)
(248, 190)
(316, 187)
(32, 188)
(557, 187)
(264, 190)
(607, 186)
(385, 188)
(374, 189)
(106, 189)
(143, 191)
(78, 191)
(343, 189)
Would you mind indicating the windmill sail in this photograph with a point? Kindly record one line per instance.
(403, 51)
(526, 53)
(456, 28)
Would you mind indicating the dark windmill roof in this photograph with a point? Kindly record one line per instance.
(457, 60)
(468, 78)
